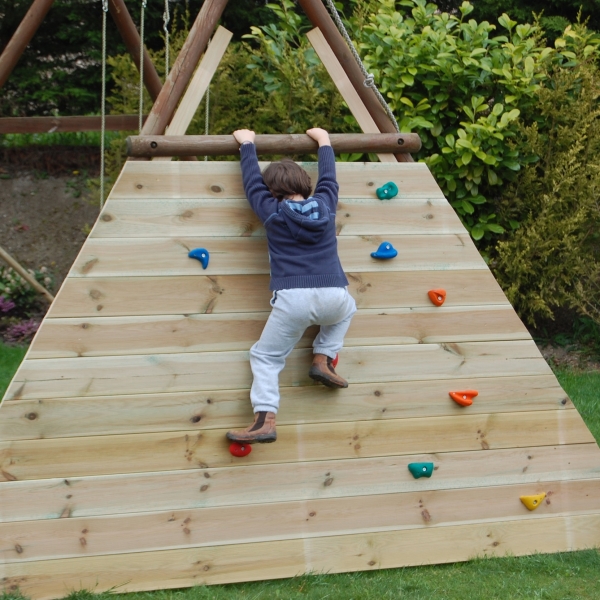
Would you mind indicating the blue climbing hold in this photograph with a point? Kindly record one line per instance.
(422, 469)
(201, 254)
(385, 251)
(387, 191)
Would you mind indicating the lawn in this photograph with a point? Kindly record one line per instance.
(562, 576)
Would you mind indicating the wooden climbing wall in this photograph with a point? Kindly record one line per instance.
(114, 465)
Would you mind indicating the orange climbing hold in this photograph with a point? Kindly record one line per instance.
(438, 297)
(532, 502)
(464, 398)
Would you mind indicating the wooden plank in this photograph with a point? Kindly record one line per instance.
(62, 124)
(222, 179)
(345, 88)
(93, 296)
(103, 336)
(110, 454)
(232, 217)
(160, 373)
(194, 528)
(199, 84)
(184, 490)
(139, 257)
(214, 409)
(272, 560)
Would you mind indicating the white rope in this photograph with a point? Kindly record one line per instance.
(103, 101)
(369, 77)
(166, 20)
(141, 98)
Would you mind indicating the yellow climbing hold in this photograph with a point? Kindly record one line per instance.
(532, 502)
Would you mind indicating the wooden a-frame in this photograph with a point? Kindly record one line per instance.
(115, 471)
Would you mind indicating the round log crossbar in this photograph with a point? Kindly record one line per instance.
(221, 145)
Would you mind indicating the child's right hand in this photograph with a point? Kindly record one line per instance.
(244, 135)
(319, 135)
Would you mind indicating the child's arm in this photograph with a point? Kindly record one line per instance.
(260, 198)
(327, 186)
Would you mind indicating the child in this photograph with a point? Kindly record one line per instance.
(307, 279)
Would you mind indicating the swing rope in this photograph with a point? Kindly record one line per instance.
(369, 77)
(166, 20)
(103, 102)
(207, 106)
(141, 91)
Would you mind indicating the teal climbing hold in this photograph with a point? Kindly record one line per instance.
(387, 191)
(422, 469)
(385, 251)
(201, 254)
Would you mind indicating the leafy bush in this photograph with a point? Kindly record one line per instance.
(553, 259)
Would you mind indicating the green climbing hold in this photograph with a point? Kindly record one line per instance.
(387, 191)
(422, 469)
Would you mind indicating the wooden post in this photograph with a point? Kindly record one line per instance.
(60, 124)
(131, 37)
(293, 143)
(184, 66)
(30, 279)
(319, 17)
(22, 36)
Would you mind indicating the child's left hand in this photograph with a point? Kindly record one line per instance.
(244, 135)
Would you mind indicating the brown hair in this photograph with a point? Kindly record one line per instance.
(285, 179)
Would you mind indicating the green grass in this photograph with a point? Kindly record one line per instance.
(561, 576)
(10, 359)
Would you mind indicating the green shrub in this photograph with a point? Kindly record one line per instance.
(553, 258)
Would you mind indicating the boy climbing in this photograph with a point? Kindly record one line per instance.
(307, 279)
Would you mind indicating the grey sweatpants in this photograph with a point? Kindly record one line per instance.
(293, 311)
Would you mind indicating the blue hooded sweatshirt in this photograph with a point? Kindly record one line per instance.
(301, 234)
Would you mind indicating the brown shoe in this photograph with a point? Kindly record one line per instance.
(322, 370)
(262, 431)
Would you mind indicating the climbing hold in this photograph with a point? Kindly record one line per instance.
(385, 251)
(422, 469)
(239, 449)
(201, 254)
(387, 191)
(334, 362)
(532, 502)
(464, 398)
(438, 297)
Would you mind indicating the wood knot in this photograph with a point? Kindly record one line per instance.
(564, 401)
(328, 481)
(204, 488)
(19, 548)
(377, 393)
(426, 516)
(312, 514)
(186, 531)
(85, 326)
(216, 188)
(429, 216)
(188, 214)
(196, 419)
(139, 186)
(371, 183)
(372, 563)
(495, 544)
(207, 475)
(106, 217)
(32, 416)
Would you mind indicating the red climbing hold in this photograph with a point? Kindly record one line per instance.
(464, 398)
(240, 450)
(438, 297)
(334, 362)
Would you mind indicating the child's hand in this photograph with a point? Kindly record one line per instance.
(244, 135)
(319, 135)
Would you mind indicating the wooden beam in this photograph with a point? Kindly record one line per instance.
(211, 145)
(345, 87)
(319, 17)
(22, 36)
(199, 84)
(184, 66)
(131, 37)
(62, 124)
(28, 277)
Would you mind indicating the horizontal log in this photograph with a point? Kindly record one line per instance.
(293, 143)
(168, 569)
(63, 124)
